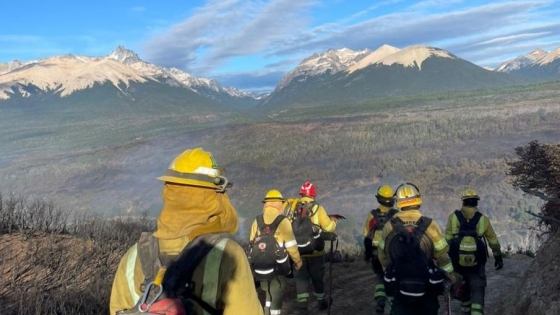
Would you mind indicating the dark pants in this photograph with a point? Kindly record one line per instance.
(474, 290)
(274, 289)
(379, 287)
(312, 268)
(428, 305)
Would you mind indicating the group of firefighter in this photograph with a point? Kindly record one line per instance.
(190, 266)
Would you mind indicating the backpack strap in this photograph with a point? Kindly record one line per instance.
(469, 226)
(178, 277)
(392, 212)
(422, 225)
(313, 209)
(272, 226)
(148, 254)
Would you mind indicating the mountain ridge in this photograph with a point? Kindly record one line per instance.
(69, 73)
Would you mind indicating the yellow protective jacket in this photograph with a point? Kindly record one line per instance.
(441, 249)
(319, 218)
(377, 233)
(483, 228)
(283, 235)
(223, 278)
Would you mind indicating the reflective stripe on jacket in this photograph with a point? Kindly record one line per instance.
(284, 234)
(223, 279)
(441, 248)
(483, 228)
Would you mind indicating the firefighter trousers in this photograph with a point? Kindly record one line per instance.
(313, 268)
(274, 289)
(474, 290)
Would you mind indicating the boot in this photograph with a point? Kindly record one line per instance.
(302, 311)
(323, 305)
(380, 306)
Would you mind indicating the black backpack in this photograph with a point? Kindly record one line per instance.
(177, 279)
(380, 220)
(468, 249)
(308, 235)
(412, 272)
(266, 257)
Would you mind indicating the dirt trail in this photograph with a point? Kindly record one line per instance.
(353, 288)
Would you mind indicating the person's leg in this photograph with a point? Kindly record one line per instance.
(431, 304)
(266, 288)
(276, 289)
(302, 285)
(478, 290)
(317, 273)
(379, 287)
(466, 298)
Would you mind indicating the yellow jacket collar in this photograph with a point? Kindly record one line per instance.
(190, 211)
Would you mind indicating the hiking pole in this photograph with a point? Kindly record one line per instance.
(448, 298)
(447, 292)
(329, 301)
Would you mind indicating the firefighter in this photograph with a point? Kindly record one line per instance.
(428, 263)
(376, 220)
(272, 210)
(313, 268)
(195, 204)
(467, 233)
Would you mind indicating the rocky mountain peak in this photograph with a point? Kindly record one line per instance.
(415, 55)
(124, 55)
(373, 57)
(522, 61)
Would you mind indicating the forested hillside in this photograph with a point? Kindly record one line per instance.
(441, 142)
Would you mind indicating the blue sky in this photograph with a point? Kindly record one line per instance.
(251, 44)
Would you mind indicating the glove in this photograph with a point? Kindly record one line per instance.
(298, 264)
(337, 217)
(455, 278)
(498, 262)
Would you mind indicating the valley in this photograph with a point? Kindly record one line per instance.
(106, 163)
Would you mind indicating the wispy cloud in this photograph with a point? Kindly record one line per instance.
(222, 30)
(227, 28)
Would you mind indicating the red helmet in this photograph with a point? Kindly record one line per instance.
(308, 189)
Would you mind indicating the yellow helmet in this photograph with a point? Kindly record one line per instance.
(408, 195)
(385, 196)
(385, 191)
(273, 195)
(470, 194)
(196, 167)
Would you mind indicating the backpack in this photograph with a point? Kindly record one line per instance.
(468, 249)
(266, 257)
(411, 273)
(307, 234)
(174, 296)
(378, 221)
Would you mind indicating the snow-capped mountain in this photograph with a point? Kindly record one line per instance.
(66, 74)
(522, 61)
(384, 72)
(373, 57)
(330, 62)
(551, 57)
(537, 65)
(414, 56)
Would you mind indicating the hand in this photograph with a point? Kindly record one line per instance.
(298, 264)
(499, 262)
(455, 278)
(336, 216)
